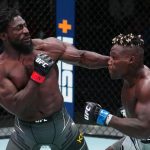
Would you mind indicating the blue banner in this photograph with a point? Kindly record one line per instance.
(65, 13)
(65, 19)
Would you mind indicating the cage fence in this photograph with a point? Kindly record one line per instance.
(97, 22)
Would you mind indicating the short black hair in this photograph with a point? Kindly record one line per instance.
(130, 40)
(6, 16)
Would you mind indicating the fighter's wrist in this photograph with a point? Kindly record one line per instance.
(103, 118)
(108, 119)
(35, 76)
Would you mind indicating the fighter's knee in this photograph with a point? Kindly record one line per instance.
(109, 148)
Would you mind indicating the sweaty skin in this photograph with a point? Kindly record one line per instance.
(18, 93)
(135, 93)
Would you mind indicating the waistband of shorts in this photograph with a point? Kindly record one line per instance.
(44, 119)
(39, 121)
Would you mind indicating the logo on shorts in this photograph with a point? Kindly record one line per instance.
(80, 138)
(45, 147)
(41, 121)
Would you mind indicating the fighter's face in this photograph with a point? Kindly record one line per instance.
(118, 63)
(18, 35)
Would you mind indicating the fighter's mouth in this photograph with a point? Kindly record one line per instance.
(27, 39)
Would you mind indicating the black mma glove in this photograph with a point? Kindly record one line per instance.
(42, 66)
(91, 111)
(95, 113)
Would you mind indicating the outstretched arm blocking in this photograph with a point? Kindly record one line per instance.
(137, 125)
(133, 127)
(68, 53)
(84, 58)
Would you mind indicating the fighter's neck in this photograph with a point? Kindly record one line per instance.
(10, 51)
(135, 76)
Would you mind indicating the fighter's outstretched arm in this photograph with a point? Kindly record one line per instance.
(68, 53)
(137, 126)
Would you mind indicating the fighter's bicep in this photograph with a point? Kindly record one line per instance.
(142, 110)
(54, 47)
(143, 102)
(7, 92)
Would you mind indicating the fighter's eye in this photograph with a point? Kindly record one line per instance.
(19, 27)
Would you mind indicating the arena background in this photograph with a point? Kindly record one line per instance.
(96, 23)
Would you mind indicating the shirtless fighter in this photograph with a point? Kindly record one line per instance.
(126, 62)
(29, 86)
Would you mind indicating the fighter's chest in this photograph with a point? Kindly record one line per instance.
(129, 99)
(19, 73)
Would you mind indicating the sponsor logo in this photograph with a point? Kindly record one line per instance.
(40, 61)
(66, 75)
(41, 120)
(65, 26)
(80, 138)
(86, 114)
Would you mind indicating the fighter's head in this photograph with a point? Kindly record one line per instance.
(14, 32)
(126, 55)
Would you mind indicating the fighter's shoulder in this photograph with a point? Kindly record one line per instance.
(51, 39)
(143, 86)
(51, 42)
(36, 52)
(46, 40)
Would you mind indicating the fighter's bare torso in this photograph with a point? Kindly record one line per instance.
(27, 99)
(17, 72)
(133, 96)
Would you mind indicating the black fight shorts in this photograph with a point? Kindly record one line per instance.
(57, 132)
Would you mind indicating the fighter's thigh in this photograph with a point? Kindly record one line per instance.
(117, 145)
(12, 146)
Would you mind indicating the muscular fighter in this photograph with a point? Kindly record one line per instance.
(29, 86)
(126, 62)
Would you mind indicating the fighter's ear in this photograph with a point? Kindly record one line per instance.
(3, 36)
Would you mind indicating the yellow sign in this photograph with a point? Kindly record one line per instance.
(64, 26)
(80, 138)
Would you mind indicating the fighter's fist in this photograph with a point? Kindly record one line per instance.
(42, 66)
(91, 112)
(95, 114)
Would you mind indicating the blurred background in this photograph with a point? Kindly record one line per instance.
(96, 22)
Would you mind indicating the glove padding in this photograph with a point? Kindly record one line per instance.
(91, 112)
(42, 66)
(95, 114)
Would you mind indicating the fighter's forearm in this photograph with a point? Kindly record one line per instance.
(86, 59)
(25, 97)
(131, 126)
(93, 60)
(70, 54)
